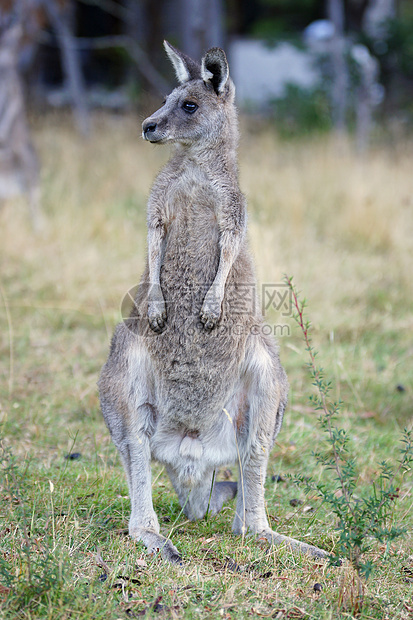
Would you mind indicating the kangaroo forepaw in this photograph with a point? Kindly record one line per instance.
(167, 550)
(156, 309)
(157, 322)
(208, 320)
(210, 313)
(157, 316)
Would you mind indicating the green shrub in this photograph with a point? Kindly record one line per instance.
(363, 517)
(301, 111)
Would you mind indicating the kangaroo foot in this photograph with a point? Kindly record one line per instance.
(156, 543)
(295, 545)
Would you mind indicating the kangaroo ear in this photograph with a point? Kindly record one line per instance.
(185, 68)
(214, 69)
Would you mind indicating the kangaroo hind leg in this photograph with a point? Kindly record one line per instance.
(129, 415)
(266, 386)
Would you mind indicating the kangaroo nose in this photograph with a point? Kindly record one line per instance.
(148, 127)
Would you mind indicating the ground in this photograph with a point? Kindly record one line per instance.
(342, 226)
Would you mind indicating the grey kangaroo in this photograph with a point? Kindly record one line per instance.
(192, 380)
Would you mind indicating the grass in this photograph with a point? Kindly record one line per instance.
(343, 227)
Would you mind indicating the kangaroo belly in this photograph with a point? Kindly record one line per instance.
(192, 453)
(196, 369)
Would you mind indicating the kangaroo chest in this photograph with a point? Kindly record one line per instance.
(191, 252)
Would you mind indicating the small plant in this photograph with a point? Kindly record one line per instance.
(363, 517)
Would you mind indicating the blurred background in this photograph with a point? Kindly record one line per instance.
(306, 64)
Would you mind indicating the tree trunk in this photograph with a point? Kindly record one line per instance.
(367, 93)
(70, 63)
(376, 17)
(339, 65)
(201, 26)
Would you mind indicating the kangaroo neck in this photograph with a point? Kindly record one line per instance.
(217, 159)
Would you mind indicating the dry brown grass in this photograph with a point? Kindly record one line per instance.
(341, 224)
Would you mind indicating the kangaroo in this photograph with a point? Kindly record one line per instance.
(191, 379)
(19, 169)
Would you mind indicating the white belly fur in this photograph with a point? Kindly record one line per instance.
(192, 455)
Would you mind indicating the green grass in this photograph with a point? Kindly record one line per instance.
(343, 227)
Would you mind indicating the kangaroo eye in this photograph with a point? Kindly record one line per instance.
(189, 107)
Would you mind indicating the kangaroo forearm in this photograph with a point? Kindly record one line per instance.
(156, 241)
(230, 243)
(156, 302)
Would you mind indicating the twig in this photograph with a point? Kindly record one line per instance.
(101, 562)
(108, 6)
(210, 495)
(136, 53)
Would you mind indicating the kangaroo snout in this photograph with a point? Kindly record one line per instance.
(148, 129)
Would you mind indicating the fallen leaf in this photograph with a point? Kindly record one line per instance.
(4, 592)
(74, 456)
(262, 539)
(407, 572)
(206, 540)
(232, 565)
(128, 579)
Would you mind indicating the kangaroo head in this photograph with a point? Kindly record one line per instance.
(201, 108)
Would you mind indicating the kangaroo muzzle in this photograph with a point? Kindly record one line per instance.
(148, 129)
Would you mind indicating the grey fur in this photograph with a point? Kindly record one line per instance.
(191, 381)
